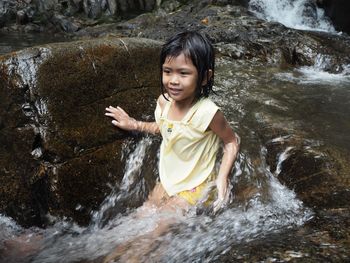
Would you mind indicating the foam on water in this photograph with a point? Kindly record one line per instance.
(8, 228)
(298, 14)
(195, 238)
(317, 74)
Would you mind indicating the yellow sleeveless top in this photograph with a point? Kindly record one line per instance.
(188, 151)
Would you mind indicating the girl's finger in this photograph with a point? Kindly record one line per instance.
(111, 107)
(121, 110)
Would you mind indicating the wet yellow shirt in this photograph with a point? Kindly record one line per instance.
(188, 151)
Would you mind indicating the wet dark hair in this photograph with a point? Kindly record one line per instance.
(198, 48)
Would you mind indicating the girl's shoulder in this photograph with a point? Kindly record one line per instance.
(206, 103)
(162, 100)
(203, 113)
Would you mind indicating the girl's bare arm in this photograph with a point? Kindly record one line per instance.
(220, 126)
(123, 121)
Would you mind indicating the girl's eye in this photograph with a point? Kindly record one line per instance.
(184, 73)
(166, 71)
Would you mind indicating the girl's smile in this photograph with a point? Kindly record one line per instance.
(180, 79)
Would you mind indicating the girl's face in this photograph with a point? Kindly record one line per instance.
(180, 78)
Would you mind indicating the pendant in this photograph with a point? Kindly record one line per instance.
(170, 127)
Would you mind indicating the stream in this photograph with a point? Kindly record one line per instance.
(250, 96)
(307, 105)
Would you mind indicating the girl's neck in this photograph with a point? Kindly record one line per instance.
(179, 109)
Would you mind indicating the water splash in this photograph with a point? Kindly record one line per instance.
(298, 14)
(8, 228)
(132, 176)
(195, 238)
(318, 73)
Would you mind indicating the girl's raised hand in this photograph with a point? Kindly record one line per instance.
(121, 118)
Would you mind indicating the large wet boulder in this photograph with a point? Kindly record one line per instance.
(318, 175)
(60, 154)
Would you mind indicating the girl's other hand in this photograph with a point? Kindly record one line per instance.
(121, 118)
(223, 195)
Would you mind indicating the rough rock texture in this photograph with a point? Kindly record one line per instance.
(320, 178)
(59, 151)
(68, 15)
(239, 35)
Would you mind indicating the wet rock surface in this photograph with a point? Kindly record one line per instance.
(236, 33)
(66, 15)
(59, 150)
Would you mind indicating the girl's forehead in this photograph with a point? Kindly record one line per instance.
(182, 58)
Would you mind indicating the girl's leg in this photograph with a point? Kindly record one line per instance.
(139, 248)
(156, 199)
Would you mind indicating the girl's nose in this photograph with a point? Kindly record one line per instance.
(174, 80)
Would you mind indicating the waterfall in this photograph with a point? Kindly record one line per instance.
(298, 14)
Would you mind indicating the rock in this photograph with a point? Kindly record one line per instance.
(46, 5)
(76, 6)
(21, 17)
(32, 28)
(170, 6)
(249, 37)
(59, 152)
(92, 8)
(320, 180)
(45, 13)
(7, 12)
(112, 7)
(65, 23)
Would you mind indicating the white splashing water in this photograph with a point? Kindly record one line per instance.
(132, 174)
(8, 228)
(318, 74)
(188, 238)
(197, 238)
(297, 14)
(281, 158)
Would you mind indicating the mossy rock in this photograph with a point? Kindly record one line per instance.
(61, 152)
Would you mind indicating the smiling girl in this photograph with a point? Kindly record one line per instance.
(190, 124)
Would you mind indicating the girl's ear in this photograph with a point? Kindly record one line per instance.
(207, 77)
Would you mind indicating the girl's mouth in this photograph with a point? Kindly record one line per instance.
(174, 91)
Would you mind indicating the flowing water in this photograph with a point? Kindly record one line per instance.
(12, 41)
(298, 14)
(306, 102)
(250, 95)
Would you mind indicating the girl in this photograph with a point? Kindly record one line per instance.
(191, 126)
